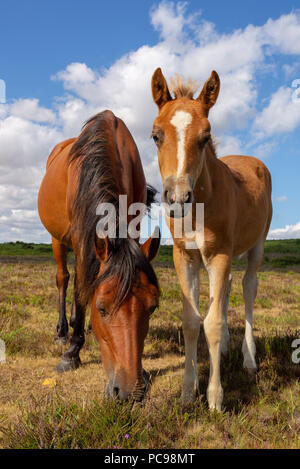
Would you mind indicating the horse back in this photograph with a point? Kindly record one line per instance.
(132, 173)
(52, 196)
(57, 150)
(60, 183)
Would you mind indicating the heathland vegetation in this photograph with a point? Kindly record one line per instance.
(41, 409)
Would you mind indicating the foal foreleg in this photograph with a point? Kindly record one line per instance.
(188, 271)
(225, 308)
(215, 326)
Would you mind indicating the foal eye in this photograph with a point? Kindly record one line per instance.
(204, 139)
(155, 138)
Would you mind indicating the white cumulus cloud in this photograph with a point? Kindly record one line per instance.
(282, 114)
(288, 232)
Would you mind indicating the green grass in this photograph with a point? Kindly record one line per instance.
(289, 246)
(278, 247)
(283, 246)
(19, 248)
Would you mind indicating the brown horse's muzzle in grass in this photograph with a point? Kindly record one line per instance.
(115, 390)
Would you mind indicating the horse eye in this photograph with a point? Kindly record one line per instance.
(152, 309)
(102, 310)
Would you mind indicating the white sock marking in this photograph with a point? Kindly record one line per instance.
(181, 120)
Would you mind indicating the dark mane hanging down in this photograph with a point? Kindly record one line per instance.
(97, 184)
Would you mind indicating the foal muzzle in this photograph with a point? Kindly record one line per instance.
(177, 196)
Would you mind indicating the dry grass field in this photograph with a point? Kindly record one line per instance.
(41, 409)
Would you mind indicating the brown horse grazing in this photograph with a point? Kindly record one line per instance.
(236, 193)
(113, 274)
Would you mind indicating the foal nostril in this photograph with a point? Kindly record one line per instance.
(169, 197)
(116, 392)
(188, 197)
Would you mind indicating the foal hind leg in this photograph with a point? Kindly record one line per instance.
(250, 291)
(62, 279)
(70, 359)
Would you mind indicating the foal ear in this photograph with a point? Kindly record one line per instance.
(150, 247)
(160, 91)
(102, 247)
(210, 91)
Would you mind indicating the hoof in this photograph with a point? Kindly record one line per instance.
(61, 340)
(251, 372)
(147, 380)
(67, 365)
(215, 398)
(187, 397)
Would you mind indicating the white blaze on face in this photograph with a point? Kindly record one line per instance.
(181, 120)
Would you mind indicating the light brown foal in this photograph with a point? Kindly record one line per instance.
(236, 193)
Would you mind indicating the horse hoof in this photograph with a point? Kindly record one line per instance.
(67, 365)
(72, 322)
(61, 340)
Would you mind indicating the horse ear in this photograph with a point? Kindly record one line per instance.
(150, 247)
(102, 247)
(210, 91)
(160, 91)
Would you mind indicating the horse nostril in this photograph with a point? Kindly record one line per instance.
(116, 392)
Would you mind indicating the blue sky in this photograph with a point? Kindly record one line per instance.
(39, 38)
(63, 60)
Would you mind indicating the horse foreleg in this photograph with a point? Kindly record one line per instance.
(215, 326)
(71, 359)
(62, 279)
(73, 307)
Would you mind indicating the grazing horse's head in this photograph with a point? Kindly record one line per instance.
(126, 295)
(181, 132)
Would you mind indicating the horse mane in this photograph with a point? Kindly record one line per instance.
(98, 184)
(181, 89)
